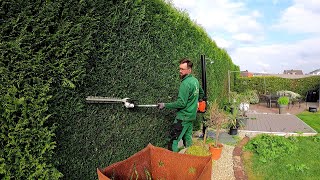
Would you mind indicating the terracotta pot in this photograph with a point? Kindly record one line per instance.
(216, 151)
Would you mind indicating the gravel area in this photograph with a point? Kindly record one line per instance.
(222, 169)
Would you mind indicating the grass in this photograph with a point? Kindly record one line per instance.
(312, 119)
(247, 160)
(302, 164)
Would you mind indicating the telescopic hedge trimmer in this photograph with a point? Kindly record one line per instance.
(202, 105)
(126, 101)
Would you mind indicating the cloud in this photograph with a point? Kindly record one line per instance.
(302, 17)
(244, 37)
(256, 14)
(237, 27)
(223, 43)
(221, 15)
(278, 57)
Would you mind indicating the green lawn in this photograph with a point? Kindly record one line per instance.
(303, 163)
(312, 119)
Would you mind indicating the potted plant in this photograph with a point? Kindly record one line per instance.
(283, 102)
(233, 123)
(216, 118)
(244, 103)
(239, 102)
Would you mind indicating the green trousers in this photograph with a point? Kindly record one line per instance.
(180, 130)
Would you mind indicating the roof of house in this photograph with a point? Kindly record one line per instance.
(297, 72)
(317, 71)
(246, 74)
(288, 76)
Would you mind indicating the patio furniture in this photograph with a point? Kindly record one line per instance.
(271, 98)
(295, 101)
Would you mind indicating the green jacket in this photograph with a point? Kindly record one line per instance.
(187, 102)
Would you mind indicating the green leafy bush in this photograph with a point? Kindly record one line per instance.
(198, 150)
(292, 95)
(248, 96)
(269, 147)
(252, 96)
(283, 100)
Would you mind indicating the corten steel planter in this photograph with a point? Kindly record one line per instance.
(282, 109)
(159, 163)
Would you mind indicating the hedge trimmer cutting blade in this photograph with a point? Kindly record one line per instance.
(126, 101)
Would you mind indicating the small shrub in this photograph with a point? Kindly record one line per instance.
(292, 95)
(198, 150)
(283, 100)
(252, 96)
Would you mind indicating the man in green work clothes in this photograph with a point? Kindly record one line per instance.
(186, 104)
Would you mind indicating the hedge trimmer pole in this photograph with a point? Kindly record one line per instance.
(147, 105)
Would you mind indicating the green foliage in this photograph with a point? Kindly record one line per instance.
(55, 53)
(248, 96)
(26, 142)
(316, 138)
(292, 95)
(301, 168)
(283, 100)
(198, 150)
(252, 96)
(269, 147)
(39, 61)
(302, 163)
(271, 84)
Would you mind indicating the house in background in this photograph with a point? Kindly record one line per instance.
(246, 74)
(315, 72)
(293, 72)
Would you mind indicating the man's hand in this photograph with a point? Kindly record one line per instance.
(160, 105)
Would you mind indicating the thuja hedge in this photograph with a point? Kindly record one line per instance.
(56, 53)
(44, 50)
(271, 84)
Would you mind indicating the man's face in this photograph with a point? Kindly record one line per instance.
(184, 70)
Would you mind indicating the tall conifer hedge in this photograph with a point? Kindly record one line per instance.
(55, 53)
(272, 84)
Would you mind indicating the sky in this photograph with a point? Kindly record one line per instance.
(262, 36)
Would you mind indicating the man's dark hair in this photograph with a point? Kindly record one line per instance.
(185, 60)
